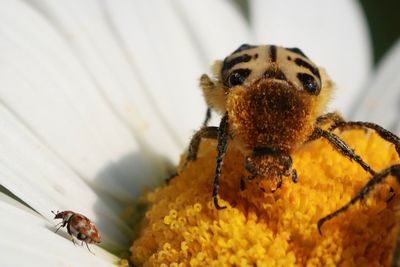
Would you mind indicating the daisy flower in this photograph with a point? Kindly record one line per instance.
(99, 99)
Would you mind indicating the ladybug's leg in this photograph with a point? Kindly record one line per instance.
(62, 224)
(207, 118)
(88, 248)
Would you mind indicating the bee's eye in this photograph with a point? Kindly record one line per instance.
(309, 83)
(237, 77)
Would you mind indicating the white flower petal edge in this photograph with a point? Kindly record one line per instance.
(334, 34)
(150, 75)
(100, 50)
(29, 240)
(16, 203)
(32, 172)
(46, 88)
(380, 102)
(216, 27)
(155, 35)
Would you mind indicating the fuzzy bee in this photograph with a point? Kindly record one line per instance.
(78, 226)
(272, 101)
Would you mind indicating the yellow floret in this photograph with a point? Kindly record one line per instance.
(183, 228)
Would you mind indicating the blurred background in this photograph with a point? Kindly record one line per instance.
(383, 21)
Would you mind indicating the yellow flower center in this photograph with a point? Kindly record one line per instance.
(260, 228)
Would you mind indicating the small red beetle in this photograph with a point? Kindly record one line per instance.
(79, 226)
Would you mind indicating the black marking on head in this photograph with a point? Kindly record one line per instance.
(275, 74)
(255, 56)
(58, 216)
(302, 63)
(272, 51)
(243, 47)
(228, 64)
(309, 83)
(289, 58)
(237, 77)
(297, 51)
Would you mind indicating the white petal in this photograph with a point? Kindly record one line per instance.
(224, 30)
(333, 34)
(6, 198)
(47, 88)
(96, 43)
(161, 50)
(217, 28)
(380, 102)
(28, 240)
(32, 173)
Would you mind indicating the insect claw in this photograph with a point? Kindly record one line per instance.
(295, 178)
(217, 206)
(278, 185)
(88, 247)
(171, 176)
(319, 225)
(242, 184)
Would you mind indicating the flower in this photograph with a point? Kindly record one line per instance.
(89, 110)
(182, 225)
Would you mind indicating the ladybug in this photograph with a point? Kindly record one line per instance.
(78, 226)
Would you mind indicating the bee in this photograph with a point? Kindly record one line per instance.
(78, 226)
(272, 101)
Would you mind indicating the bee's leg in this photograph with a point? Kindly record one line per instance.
(207, 118)
(341, 147)
(222, 138)
(209, 132)
(329, 119)
(376, 179)
(339, 123)
(382, 132)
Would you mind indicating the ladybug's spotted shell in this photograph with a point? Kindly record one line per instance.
(83, 229)
(79, 226)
